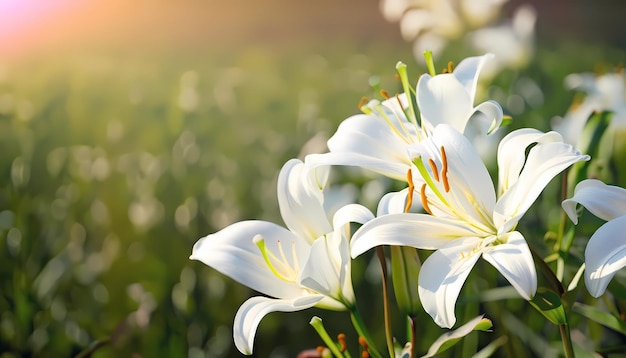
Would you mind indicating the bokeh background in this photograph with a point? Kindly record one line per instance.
(130, 129)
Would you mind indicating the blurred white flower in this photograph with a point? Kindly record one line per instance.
(431, 24)
(511, 41)
(605, 92)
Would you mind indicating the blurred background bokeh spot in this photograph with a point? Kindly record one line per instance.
(131, 129)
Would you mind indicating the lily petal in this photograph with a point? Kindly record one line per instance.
(605, 255)
(351, 213)
(488, 115)
(442, 276)
(421, 231)
(301, 200)
(544, 162)
(515, 262)
(443, 99)
(232, 252)
(254, 309)
(604, 201)
(512, 153)
(327, 270)
(395, 203)
(370, 142)
(467, 72)
(436, 94)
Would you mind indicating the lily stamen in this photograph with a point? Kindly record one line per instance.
(363, 343)
(270, 258)
(428, 178)
(295, 257)
(400, 130)
(444, 170)
(363, 102)
(409, 198)
(434, 169)
(341, 338)
(385, 94)
(424, 199)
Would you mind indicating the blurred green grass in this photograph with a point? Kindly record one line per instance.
(114, 165)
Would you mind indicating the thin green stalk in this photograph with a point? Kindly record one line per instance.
(563, 221)
(413, 335)
(316, 322)
(561, 233)
(359, 326)
(567, 341)
(380, 252)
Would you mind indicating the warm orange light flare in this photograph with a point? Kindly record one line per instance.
(28, 23)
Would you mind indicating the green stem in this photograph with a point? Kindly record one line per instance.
(430, 63)
(406, 86)
(359, 326)
(561, 233)
(380, 252)
(563, 222)
(567, 341)
(558, 287)
(413, 336)
(316, 322)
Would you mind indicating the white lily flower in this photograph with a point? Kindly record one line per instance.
(605, 253)
(469, 219)
(304, 266)
(378, 140)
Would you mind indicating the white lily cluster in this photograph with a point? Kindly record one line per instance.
(433, 24)
(450, 205)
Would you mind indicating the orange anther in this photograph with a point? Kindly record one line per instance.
(342, 341)
(363, 342)
(424, 199)
(399, 102)
(363, 102)
(433, 168)
(409, 197)
(444, 170)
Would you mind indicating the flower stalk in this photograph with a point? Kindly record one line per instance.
(380, 252)
(317, 323)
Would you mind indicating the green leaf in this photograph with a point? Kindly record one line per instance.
(506, 120)
(449, 339)
(590, 143)
(602, 317)
(405, 266)
(491, 348)
(617, 289)
(549, 304)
